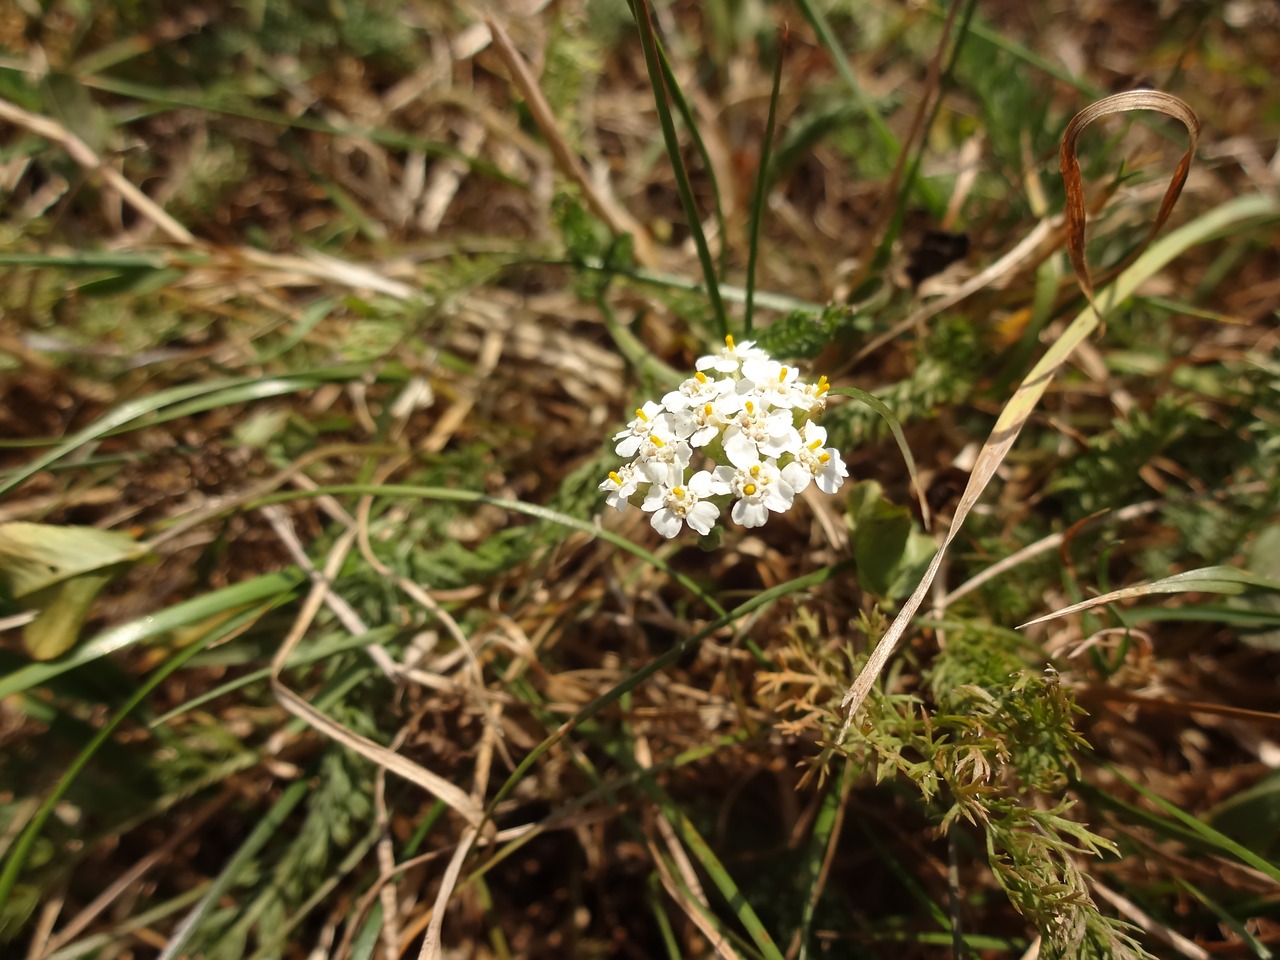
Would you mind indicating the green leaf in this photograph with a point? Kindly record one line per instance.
(34, 556)
(888, 550)
(1252, 817)
(1264, 561)
(58, 571)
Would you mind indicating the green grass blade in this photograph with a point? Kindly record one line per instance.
(515, 506)
(1202, 830)
(17, 857)
(1225, 580)
(274, 587)
(686, 114)
(649, 41)
(267, 828)
(895, 427)
(220, 106)
(1224, 916)
(175, 402)
(757, 199)
(702, 852)
(888, 142)
(761, 599)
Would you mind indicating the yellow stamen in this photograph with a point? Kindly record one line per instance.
(749, 489)
(817, 444)
(728, 340)
(707, 411)
(678, 492)
(657, 441)
(755, 471)
(824, 458)
(640, 415)
(615, 478)
(750, 408)
(782, 375)
(700, 377)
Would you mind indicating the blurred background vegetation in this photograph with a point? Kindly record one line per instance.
(327, 310)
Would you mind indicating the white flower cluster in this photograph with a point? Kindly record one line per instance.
(752, 418)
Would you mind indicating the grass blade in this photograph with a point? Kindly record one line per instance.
(1229, 580)
(275, 587)
(17, 857)
(649, 41)
(762, 188)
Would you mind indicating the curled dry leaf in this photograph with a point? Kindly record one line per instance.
(1074, 211)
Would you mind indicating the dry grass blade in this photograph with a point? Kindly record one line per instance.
(1074, 210)
(603, 206)
(1226, 580)
(435, 785)
(83, 154)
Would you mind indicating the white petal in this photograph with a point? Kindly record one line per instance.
(760, 370)
(704, 435)
(739, 448)
(785, 441)
(629, 446)
(797, 475)
(666, 523)
(780, 497)
(702, 516)
(682, 454)
(750, 513)
(814, 432)
(832, 474)
(652, 410)
(703, 484)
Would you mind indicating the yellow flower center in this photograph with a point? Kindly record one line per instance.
(749, 489)
(678, 492)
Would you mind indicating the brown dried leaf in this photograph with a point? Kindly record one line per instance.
(1126, 102)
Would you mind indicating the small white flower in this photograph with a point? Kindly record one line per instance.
(760, 488)
(815, 460)
(812, 397)
(731, 356)
(660, 458)
(771, 383)
(712, 418)
(650, 417)
(696, 391)
(620, 485)
(754, 433)
(674, 506)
